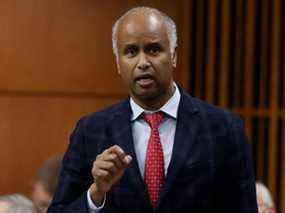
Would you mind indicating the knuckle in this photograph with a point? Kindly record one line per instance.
(113, 157)
(94, 168)
(100, 174)
(116, 147)
(95, 164)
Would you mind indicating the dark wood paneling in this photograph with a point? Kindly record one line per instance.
(211, 50)
(250, 24)
(244, 62)
(34, 128)
(58, 46)
(225, 50)
(63, 45)
(274, 94)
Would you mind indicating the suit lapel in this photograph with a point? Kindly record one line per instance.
(122, 136)
(188, 123)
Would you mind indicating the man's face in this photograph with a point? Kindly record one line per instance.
(145, 62)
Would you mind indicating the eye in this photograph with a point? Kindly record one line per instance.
(130, 51)
(154, 49)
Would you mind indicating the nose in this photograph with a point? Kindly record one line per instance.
(143, 63)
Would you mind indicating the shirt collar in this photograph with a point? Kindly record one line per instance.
(170, 107)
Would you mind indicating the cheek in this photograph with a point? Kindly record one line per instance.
(164, 68)
(126, 69)
(164, 60)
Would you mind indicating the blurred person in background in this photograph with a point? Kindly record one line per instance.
(264, 200)
(46, 182)
(16, 203)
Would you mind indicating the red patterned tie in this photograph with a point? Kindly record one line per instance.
(154, 162)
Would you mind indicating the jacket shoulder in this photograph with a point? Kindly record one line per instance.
(211, 112)
(102, 117)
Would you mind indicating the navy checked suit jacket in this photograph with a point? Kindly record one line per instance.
(210, 169)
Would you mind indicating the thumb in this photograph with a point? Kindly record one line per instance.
(127, 160)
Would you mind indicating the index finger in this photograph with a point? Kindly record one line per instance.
(116, 150)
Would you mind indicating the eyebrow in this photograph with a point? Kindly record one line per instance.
(129, 45)
(154, 42)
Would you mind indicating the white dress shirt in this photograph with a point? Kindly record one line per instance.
(141, 134)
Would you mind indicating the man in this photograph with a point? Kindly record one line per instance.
(160, 150)
(16, 203)
(46, 182)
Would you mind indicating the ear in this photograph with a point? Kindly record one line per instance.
(174, 58)
(118, 66)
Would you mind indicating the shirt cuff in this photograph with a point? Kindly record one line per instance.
(91, 206)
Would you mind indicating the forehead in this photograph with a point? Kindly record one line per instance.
(141, 27)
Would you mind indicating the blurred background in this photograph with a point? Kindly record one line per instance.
(56, 64)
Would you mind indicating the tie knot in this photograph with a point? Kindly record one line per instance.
(154, 119)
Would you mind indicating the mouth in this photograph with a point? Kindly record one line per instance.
(145, 80)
